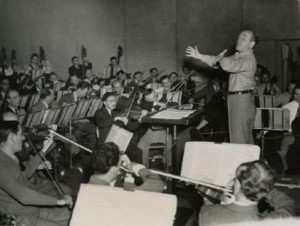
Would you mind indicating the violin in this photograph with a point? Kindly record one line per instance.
(215, 196)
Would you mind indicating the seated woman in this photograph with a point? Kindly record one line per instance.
(106, 161)
(254, 182)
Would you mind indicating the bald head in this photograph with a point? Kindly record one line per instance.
(9, 116)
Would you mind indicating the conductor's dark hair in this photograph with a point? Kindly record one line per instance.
(256, 179)
(6, 128)
(34, 55)
(73, 58)
(105, 156)
(45, 93)
(107, 95)
(83, 85)
(153, 69)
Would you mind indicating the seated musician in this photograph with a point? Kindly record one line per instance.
(53, 79)
(80, 93)
(254, 182)
(4, 87)
(205, 94)
(189, 85)
(123, 77)
(154, 75)
(89, 76)
(136, 83)
(34, 69)
(166, 94)
(17, 196)
(35, 88)
(77, 69)
(45, 102)
(114, 67)
(174, 78)
(105, 117)
(72, 83)
(267, 87)
(149, 101)
(12, 103)
(286, 97)
(106, 160)
(123, 96)
(31, 163)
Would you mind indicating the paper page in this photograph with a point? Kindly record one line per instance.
(119, 136)
(173, 114)
(215, 163)
(102, 205)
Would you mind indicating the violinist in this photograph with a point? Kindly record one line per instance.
(136, 83)
(45, 102)
(123, 77)
(122, 95)
(80, 93)
(174, 79)
(267, 87)
(106, 116)
(18, 196)
(166, 94)
(106, 160)
(12, 103)
(149, 101)
(253, 186)
(35, 88)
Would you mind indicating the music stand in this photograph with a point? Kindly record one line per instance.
(33, 100)
(34, 119)
(265, 101)
(95, 105)
(51, 116)
(23, 101)
(81, 110)
(271, 119)
(66, 114)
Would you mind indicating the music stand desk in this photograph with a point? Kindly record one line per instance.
(167, 123)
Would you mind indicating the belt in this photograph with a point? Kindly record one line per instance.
(240, 92)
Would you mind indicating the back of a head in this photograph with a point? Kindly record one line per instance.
(105, 156)
(83, 85)
(256, 179)
(6, 128)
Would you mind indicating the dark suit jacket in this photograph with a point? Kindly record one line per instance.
(104, 122)
(79, 71)
(67, 98)
(39, 106)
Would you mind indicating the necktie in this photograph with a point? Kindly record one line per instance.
(266, 92)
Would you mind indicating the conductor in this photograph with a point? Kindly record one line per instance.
(242, 67)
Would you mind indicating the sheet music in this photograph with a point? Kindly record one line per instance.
(84, 109)
(215, 163)
(102, 205)
(119, 136)
(173, 114)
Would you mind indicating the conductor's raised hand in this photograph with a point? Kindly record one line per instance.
(192, 52)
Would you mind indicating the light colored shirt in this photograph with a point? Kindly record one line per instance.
(293, 107)
(241, 66)
(283, 99)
